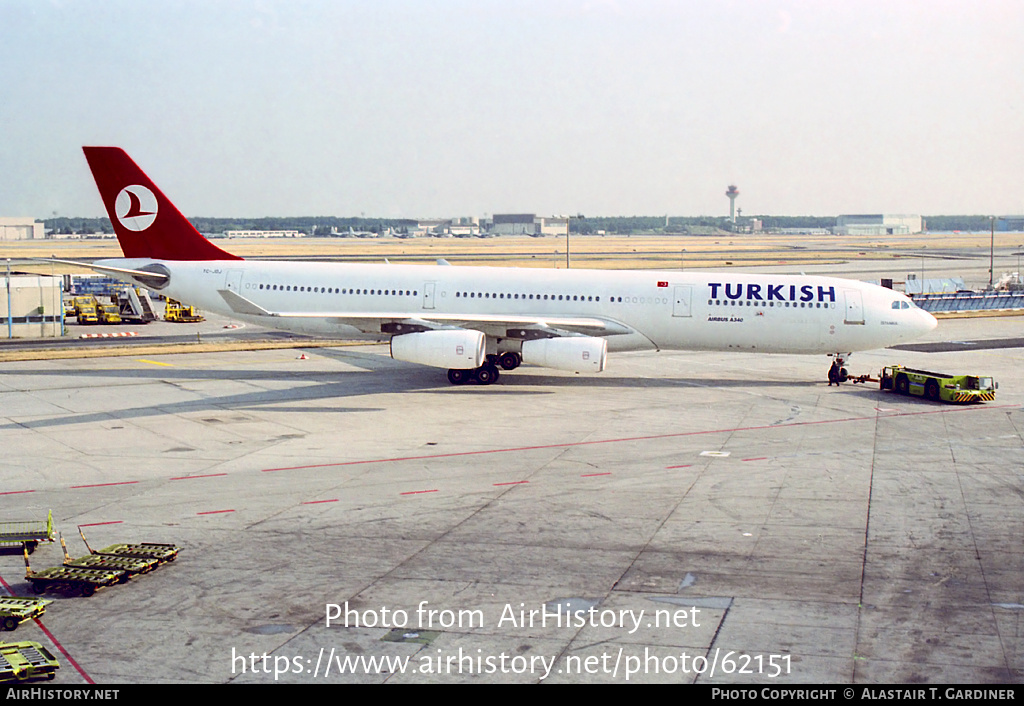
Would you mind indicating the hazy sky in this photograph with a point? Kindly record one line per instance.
(420, 108)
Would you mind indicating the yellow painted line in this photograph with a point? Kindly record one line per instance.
(155, 362)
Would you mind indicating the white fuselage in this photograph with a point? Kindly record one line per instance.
(645, 309)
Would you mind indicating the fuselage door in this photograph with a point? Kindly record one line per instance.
(428, 295)
(854, 307)
(681, 304)
(233, 281)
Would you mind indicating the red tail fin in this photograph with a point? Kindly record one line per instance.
(146, 223)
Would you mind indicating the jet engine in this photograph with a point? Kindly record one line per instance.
(584, 354)
(444, 348)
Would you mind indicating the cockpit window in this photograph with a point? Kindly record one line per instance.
(900, 305)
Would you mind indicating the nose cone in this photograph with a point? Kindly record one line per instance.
(925, 323)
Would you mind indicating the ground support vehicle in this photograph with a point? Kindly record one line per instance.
(129, 565)
(21, 661)
(15, 611)
(135, 305)
(27, 533)
(177, 312)
(937, 386)
(144, 550)
(85, 310)
(108, 313)
(72, 580)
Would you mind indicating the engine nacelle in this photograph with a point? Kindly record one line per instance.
(444, 348)
(583, 354)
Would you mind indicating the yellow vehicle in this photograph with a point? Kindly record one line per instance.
(937, 386)
(108, 314)
(85, 310)
(177, 312)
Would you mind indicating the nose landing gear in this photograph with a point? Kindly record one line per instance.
(837, 374)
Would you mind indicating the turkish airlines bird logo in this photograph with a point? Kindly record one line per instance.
(136, 207)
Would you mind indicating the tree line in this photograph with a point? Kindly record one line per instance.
(579, 224)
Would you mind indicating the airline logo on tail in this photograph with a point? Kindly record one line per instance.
(133, 201)
(136, 207)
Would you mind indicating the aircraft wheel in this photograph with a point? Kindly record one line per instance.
(486, 374)
(931, 390)
(902, 384)
(459, 377)
(510, 360)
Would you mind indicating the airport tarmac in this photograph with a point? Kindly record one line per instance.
(707, 517)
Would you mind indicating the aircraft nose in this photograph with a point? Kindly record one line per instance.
(928, 322)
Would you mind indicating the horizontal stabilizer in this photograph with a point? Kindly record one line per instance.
(105, 269)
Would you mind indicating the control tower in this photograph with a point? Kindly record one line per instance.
(732, 193)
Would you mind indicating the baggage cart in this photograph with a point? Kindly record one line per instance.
(22, 661)
(28, 533)
(128, 564)
(72, 580)
(14, 611)
(145, 550)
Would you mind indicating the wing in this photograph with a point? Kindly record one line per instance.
(397, 322)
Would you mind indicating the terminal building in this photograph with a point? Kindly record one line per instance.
(877, 224)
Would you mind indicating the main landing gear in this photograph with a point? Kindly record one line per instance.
(488, 372)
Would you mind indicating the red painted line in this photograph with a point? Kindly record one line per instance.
(315, 502)
(213, 512)
(759, 458)
(688, 465)
(417, 492)
(64, 652)
(653, 437)
(97, 524)
(515, 482)
(104, 485)
(53, 639)
(208, 475)
(592, 475)
(15, 492)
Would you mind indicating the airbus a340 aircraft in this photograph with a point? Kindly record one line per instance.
(473, 320)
